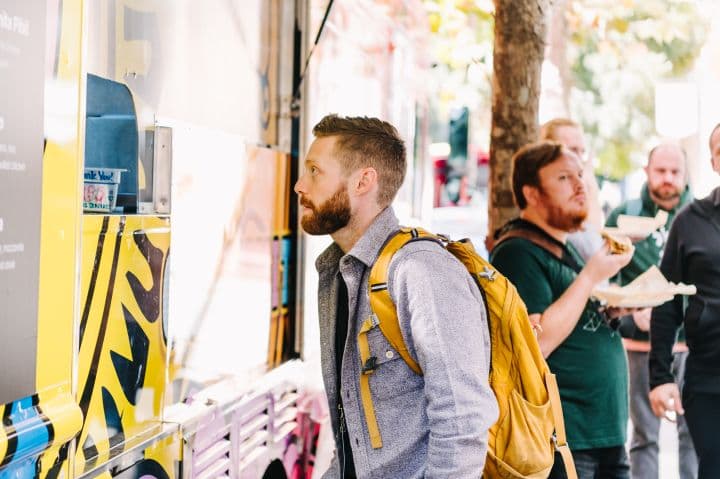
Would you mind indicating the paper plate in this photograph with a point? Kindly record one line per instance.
(638, 226)
(630, 233)
(648, 290)
(613, 299)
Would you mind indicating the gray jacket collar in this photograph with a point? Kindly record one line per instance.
(368, 246)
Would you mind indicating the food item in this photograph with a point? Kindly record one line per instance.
(618, 244)
(647, 290)
(638, 227)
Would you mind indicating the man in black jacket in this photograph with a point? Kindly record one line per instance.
(692, 255)
(666, 189)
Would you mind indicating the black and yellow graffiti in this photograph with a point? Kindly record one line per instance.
(123, 344)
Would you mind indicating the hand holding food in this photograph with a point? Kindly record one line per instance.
(618, 244)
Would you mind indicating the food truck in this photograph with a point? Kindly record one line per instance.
(157, 295)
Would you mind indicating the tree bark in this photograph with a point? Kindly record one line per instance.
(520, 30)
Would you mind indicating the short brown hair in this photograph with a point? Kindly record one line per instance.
(362, 142)
(548, 131)
(527, 162)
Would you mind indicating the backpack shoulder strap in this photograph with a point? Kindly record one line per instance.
(381, 302)
(536, 238)
(532, 233)
(561, 444)
(385, 317)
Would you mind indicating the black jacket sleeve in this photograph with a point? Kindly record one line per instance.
(667, 317)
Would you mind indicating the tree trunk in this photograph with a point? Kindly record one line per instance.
(520, 27)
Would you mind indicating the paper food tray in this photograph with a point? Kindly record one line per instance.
(638, 226)
(648, 290)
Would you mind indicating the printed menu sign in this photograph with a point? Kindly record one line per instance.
(22, 82)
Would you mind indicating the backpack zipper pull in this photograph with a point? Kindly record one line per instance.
(487, 273)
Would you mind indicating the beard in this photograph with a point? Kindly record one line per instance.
(564, 219)
(665, 192)
(328, 217)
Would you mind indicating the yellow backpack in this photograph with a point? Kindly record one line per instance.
(521, 443)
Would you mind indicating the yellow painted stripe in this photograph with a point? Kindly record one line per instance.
(61, 209)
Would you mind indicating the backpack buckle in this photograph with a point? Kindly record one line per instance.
(370, 365)
(556, 444)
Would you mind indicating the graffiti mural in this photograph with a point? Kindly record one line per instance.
(123, 349)
(35, 435)
(27, 432)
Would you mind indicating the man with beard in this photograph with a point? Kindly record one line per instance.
(575, 335)
(431, 425)
(665, 190)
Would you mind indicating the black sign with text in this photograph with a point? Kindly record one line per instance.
(22, 83)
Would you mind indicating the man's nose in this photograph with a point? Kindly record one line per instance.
(580, 183)
(298, 188)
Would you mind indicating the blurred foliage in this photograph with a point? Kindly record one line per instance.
(462, 31)
(618, 50)
(462, 34)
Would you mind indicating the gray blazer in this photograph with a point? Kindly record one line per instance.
(434, 425)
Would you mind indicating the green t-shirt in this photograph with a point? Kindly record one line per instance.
(590, 364)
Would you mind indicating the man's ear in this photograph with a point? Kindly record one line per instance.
(531, 194)
(366, 181)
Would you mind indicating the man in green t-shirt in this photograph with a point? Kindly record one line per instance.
(666, 190)
(577, 338)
